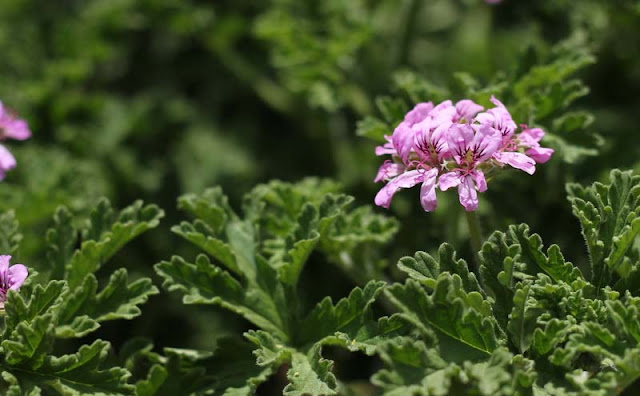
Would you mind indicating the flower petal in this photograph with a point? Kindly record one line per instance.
(402, 139)
(418, 113)
(535, 133)
(468, 195)
(7, 160)
(4, 264)
(478, 178)
(449, 179)
(467, 109)
(15, 129)
(540, 154)
(405, 180)
(428, 198)
(459, 138)
(517, 160)
(16, 275)
(387, 148)
(485, 143)
(388, 170)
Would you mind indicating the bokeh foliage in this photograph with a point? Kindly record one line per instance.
(151, 99)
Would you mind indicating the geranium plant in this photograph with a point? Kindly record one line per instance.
(293, 263)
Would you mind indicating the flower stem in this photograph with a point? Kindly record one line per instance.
(475, 233)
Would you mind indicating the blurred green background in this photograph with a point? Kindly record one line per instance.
(150, 99)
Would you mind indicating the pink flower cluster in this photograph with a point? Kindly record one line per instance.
(449, 145)
(11, 277)
(11, 127)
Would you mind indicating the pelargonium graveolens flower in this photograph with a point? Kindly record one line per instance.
(451, 145)
(11, 127)
(11, 277)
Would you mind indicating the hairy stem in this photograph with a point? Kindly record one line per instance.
(475, 232)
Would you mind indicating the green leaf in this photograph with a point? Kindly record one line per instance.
(355, 243)
(466, 318)
(499, 274)
(313, 223)
(554, 332)
(425, 269)
(373, 128)
(204, 283)
(28, 343)
(131, 222)
(522, 320)
(536, 261)
(610, 221)
(77, 374)
(414, 369)
(271, 351)
(212, 207)
(392, 109)
(407, 362)
(84, 307)
(310, 374)
(61, 242)
(198, 234)
(41, 301)
(10, 236)
(326, 319)
(230, 370)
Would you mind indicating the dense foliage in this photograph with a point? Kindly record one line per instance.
(274, 272)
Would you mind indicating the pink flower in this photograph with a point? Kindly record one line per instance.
(466, 109)
(11, 277)
(11, 127)
(516, 160)
(388, 170)
(451, 145)
(498, 118)
(408, 180)
(430, 141)
(470, 149)
(529, 139)
(418, 113)
(7, 161)
(467, 182)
